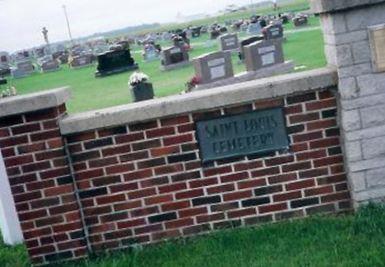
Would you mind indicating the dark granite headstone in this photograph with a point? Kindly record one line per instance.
(173, 57)
(248, 41)
(273, 31)
(113, 62)
(229, 42)
(300, 21)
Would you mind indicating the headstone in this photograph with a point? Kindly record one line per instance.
(196, 32)
(273, 31)
(248, 41)
(81, 61)
(112, 62)
(23, 68)
(300, 21)
(213, 67)
(174, 57)
(229, 42)
(48, 64)
(150, 52)
(5, 59)
(243, 27)
(254, 29)
(263, 54)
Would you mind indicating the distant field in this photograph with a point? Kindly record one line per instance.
(304, 46)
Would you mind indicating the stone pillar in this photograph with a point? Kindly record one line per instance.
(346, 26)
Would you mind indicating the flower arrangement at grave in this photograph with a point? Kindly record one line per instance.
(141, 88)
(8, 92)
(192, 83)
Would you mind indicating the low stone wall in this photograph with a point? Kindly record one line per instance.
(133, 174)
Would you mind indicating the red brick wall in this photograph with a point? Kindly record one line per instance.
(42, 185)
(144, 182)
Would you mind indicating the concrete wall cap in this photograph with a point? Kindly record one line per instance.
(32, 102)
(332, 6)
(200, 100)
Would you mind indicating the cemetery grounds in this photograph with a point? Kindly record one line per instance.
(304, 46)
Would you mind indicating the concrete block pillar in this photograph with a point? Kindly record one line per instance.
(346, 25)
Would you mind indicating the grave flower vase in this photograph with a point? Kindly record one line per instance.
(142, 91)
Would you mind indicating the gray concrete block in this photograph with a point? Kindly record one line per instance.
(373, 116)
(326, 6)
(332, 24)
(375, 178)
(348, 88)
(374, 147)
(355, 70)
(365, 133)
(344, 56)
(357, 181)
(361, 52)
(364, 102)
(369, 164)
(351, 120)
(353, 151)
(371, 84)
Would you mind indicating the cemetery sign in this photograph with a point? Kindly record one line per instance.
(241, 135)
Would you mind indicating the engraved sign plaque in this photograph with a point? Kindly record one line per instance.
(377, 44)
(240, 135)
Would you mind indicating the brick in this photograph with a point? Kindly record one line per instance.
(54, 173)
(282, 178)
(324, 124)
(299, 147)
(301, 98)
(234, 177)
(120, 168)
(134, 156)
(43, 114)
(98, 143)
(32, 215)
(241, 213)
(248, 165)
(229, 224)
(89, 174)
(115, 150)
(304, 202)
(300, 184)
(296, 166)
(206, 200)
(162, 217)
(238, 109)
(220, 189)
(298, 128)
(225, 206)
(189, 194)
(158, 199)
(293, 109)
(288, 215)
(110, 199)
(268, 103)
(237, 195)
(179, 223)
(174, 120)
(146, 145)
(279, 160)
(321, 209)
(143, 126)
(304, 118)
(18, 160)
(335, 197)
(255, 201)
(59, 190)
(93, 192)
(287, 196)
(186, 176)
(159, 132)
(124, 187)
(23, 179)
(307, 136)
(172, 188)
(131, 223)
(251, 183)
(85, 156)
(265, 172)
(313, 173)
(207, 115)
(45, 135)
(156, 181)
(331, 113)
(162, 151)
(25, 128)
(328, 161)
(168, 169)
(8, 152)
(331, 179)
(210, 217)
(189, 147)
(322, 104)
(102, 162)
(142, 193)
(176, 205)
(114, 217)
(319, 191)
(178, 139)
(112, 131)
(267, 190)
(272, 208)
(128, 138)
(311, 155)
(52, 154)
(11, 120)
(36, 166)
(108, 180)
(55, 143)
(190, 127)
(39, 185)
(131, 205)
(216, 171)
(203, 182)
(181, 158)
(13, 141)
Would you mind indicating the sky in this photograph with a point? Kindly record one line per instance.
(21, 21)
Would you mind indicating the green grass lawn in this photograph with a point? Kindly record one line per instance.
(346, 240)
(304, 48)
